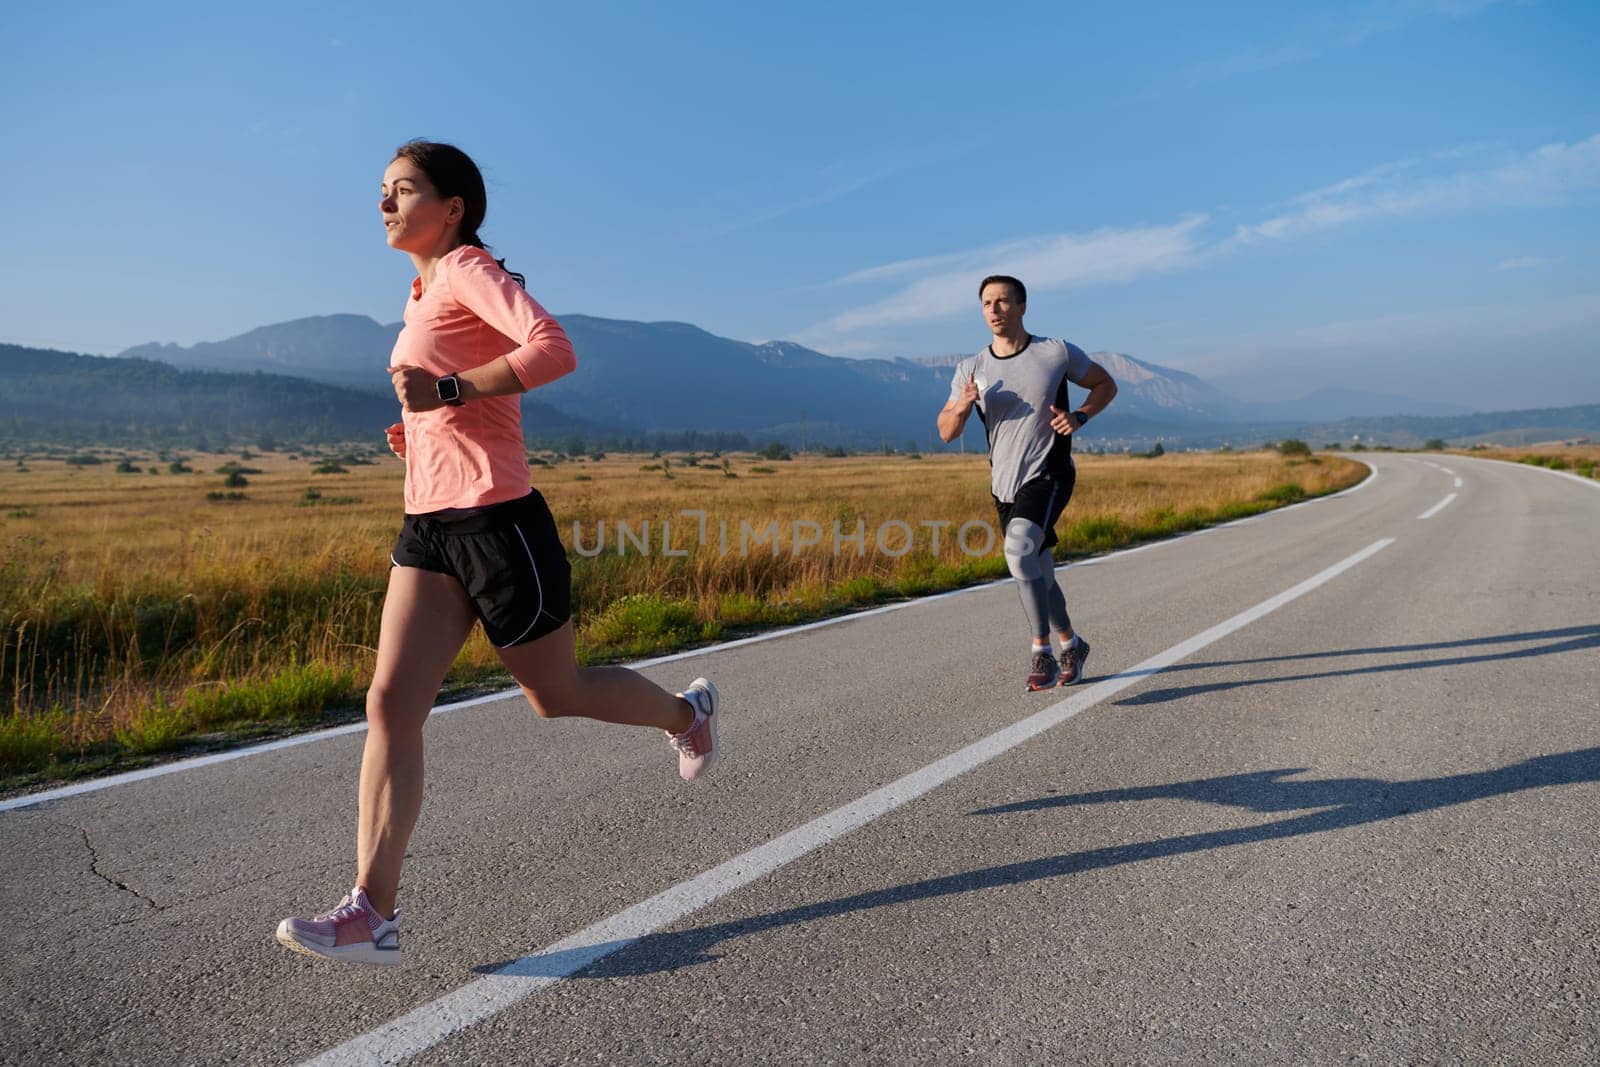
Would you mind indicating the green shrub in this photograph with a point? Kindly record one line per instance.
(1098, 534)
(863, 590)
(741, 609)
(643, 623)
(1293, 446)
(29, 742)
(296, 695)
(1287, 493)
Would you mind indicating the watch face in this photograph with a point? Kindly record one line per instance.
(448, 388)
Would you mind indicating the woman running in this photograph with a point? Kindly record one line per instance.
(477, 544)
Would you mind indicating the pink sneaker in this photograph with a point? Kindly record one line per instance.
(353, 932)
(697, 745)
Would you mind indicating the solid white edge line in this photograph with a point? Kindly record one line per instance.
(28, 800)
(1580, 479)
(1440, 506)
(433, 1022)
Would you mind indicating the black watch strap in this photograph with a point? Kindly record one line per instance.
(1079, 418)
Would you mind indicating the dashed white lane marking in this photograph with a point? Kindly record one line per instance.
(1447, 470)
(437, 1020)
(95, 785)
(1440, 506)
(1458, 483)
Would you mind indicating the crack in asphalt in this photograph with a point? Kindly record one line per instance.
(94, 868)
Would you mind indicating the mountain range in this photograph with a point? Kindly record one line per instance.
(656, 381)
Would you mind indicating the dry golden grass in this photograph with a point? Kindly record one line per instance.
(124, 592)
(1576, 457)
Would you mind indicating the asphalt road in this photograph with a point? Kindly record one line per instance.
(1330, 792)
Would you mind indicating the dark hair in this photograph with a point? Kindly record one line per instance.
(451, 172)
(1018, 290)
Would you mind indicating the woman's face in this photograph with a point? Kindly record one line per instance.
(415, 218)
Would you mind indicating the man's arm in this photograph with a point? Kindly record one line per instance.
(1102, 389)
(953, 416)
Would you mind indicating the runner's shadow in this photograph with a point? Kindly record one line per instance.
(1588, 630)
(1331, 804)
(1578, 638)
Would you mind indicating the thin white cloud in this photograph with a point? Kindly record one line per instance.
(1055, 261)
(1311, 37)
(940, 286)
(1522, 263)
(1546, 174)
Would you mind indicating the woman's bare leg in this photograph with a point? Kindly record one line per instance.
(426, 619)
(548, 671)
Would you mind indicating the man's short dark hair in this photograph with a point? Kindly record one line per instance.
(1018, 290)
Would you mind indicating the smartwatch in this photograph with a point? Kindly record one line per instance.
(1079, 418)
(449, 390)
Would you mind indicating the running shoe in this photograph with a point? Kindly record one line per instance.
(1043, 673)
(1072, 658)
(697, 745)
(353, 932)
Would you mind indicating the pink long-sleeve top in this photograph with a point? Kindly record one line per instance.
(473, 313)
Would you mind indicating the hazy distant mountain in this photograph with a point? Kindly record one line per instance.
(1338, 403)
(635, 378)
(1145, 391)
(62, 397)
(638, 379)
(350, 350)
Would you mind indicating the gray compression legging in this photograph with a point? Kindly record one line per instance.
(1035, 571)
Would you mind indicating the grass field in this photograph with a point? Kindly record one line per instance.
(1577, 459)
(158, 603)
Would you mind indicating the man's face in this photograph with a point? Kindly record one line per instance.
(1000, 308)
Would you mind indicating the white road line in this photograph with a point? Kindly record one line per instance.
(29, 800)
(1458, 483)
(1580, 479)
(1440, 506)
(428, 1025)
(1447, 470)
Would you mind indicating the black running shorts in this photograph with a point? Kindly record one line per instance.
(1039, 500)
(509, 559)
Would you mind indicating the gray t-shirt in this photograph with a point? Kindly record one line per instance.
(1014, 397)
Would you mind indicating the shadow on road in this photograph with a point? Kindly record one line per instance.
(1334, 804)
(1570, 639)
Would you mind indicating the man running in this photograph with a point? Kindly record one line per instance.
(1018, 385)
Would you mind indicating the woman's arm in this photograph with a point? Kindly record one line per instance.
(418, 389)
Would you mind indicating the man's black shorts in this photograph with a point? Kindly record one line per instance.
(1039, 500)
(509, 559)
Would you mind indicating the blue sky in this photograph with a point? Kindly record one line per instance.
(1396, 196)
